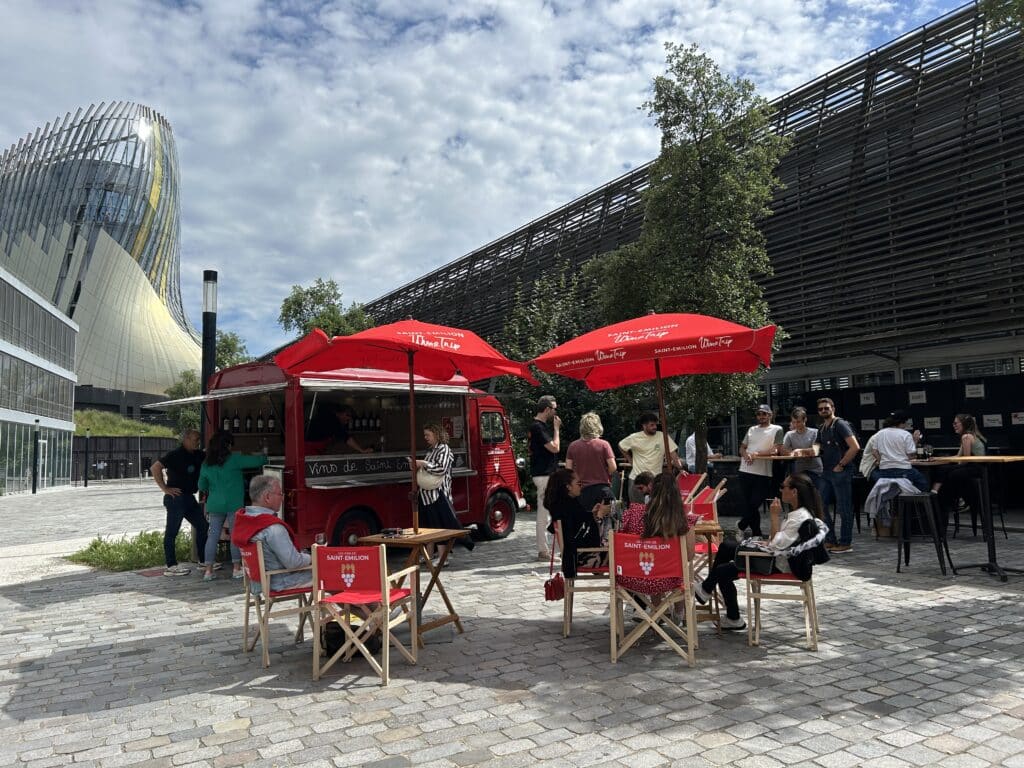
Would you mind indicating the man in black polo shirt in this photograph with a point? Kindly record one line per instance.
(180, 486)
(544, 445)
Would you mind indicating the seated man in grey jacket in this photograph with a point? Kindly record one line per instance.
(259, 523)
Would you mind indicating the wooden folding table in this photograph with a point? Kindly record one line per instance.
(417, 544)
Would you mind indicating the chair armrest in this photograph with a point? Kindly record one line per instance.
(404, 572)
(592, 549)
(748, 553)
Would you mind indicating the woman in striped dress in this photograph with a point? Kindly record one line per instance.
(436, 508)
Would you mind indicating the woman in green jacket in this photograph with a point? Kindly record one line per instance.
(221, 482)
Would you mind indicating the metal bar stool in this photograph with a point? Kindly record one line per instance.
(920, 508)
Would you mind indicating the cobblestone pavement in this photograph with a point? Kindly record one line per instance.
(127, 669)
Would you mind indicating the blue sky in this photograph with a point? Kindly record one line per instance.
(372, 141)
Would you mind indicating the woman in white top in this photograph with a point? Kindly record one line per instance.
(804, 502)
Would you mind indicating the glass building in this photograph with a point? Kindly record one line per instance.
(37, 381)
(89, 221)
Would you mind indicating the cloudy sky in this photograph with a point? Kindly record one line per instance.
(374, 140)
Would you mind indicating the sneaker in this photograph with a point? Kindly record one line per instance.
(237, 574)
(542, 555)
(700, 595)
(830, 545)
(839, 549)
(209, 577)
(218, 566)
(177, 570)
(733, 624)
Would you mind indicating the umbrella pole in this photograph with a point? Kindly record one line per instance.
(414, 496)
(661, 413)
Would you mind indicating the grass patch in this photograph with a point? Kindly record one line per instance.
(132, 554)
(106, 424)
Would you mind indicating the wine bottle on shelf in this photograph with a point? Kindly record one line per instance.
(248, 421)
(226, 423)
(236, 422)
(271, 422)
(259, 421)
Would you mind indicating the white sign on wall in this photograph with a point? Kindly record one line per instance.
(933, 422)
(867, 425)
(992, 420)
(974, 390)
(1017, 418)
(867, 398)
(918, 397)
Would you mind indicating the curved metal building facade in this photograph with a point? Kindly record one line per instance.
(89, 218)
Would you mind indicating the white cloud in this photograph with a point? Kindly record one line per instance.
(374, 141)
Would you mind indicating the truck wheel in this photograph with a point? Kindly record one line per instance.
(499, 517)
(352, 526)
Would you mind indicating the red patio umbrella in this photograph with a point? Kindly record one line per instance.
(434, 351)
(654, 346)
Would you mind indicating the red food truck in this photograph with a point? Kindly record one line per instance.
(333, 488)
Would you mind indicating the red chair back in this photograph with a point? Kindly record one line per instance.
(251, 562)
(642, 558)
(688, 483)
(340, 569)
(704, 504)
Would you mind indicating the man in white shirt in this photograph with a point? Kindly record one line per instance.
(893, 447)
(646, 450)
(690, 450)
(755, 476)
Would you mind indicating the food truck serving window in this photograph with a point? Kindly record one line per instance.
(343, 422)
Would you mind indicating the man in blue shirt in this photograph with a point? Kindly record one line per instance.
(839, 447)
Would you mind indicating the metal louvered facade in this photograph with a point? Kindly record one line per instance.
(901, 225)
(90, 219)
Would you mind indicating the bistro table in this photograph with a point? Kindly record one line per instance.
(992, 566)
(417, 544)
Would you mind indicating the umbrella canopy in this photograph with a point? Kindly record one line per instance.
(434, 351)
(650, 347)
(440, 352)
(631, 352)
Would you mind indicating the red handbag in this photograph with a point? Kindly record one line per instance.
(554, 587)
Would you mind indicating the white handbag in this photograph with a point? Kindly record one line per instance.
(427, 480)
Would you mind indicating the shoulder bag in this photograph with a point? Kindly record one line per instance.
(554, 587)
(427, 480)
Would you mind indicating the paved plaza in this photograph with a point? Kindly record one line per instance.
(127, 669)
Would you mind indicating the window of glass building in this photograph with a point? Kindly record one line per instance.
(926, 374)
(831, 382)
(1000, 367)
(876, 379)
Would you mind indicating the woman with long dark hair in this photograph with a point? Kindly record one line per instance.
(581, 527)
(958, 482)
(662, 518)
(801, 524)
(221, 480)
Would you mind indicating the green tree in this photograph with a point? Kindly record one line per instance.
(1003, 13)
(557, 308)
(320, 306)
(701, 246)
(184, 416)
(231, 350)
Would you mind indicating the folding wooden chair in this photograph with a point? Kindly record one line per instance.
(705, 505)
(777, 586)
(591, 580)
(688, 484)
(637, 557)
(355, 579)
(254, 572)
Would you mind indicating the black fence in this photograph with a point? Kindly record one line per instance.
(116, 458)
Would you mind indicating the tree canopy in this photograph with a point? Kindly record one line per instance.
(320, 306)
(184, 416)
(701, 247)
(231, 350)
(1003, 13)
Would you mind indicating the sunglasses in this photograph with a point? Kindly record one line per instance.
(825, 408)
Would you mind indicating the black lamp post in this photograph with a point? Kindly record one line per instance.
(209, 342)
(88, 435)
(35, 457)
